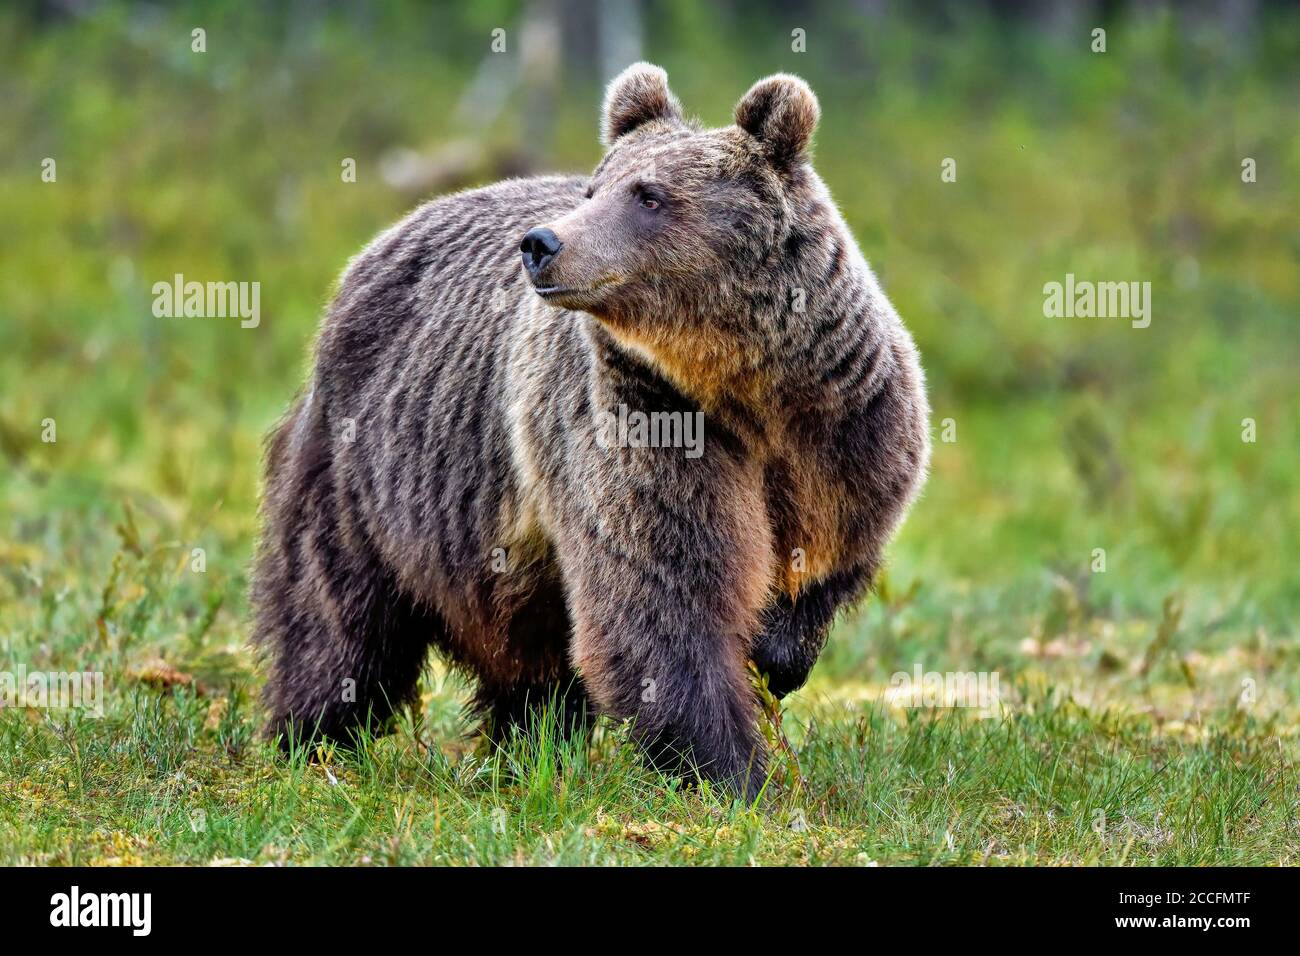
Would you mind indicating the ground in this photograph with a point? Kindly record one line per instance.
(1098, 532)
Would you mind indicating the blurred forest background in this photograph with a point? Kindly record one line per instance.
(1071, 434)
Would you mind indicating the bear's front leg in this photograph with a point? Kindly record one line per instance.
(666, 565)
(794, 629)
(665, 644)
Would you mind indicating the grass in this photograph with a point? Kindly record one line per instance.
(1147, 713)
(1110, 742)
(176, 780)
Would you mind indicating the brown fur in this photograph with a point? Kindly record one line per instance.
(442, 482)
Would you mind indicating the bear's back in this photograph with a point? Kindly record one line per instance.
(411, 364)
(451, 262)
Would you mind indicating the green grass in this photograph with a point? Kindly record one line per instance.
(1162, 694)
(1181, 770)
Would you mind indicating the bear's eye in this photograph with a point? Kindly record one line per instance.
(591, 191)
(647, 199)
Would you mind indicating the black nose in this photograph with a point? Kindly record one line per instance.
(539, 248)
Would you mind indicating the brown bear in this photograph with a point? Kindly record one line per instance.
(471, 467)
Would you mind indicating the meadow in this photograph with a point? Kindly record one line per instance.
(1110, 525)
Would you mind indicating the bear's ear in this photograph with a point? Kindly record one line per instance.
(780, 112)
(637, 95)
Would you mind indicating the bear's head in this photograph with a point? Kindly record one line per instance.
(686, 234)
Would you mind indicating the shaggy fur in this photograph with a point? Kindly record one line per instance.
(441, 483)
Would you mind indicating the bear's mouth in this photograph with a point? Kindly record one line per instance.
(554, 291)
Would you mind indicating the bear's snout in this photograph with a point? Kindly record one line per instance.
(539, 247)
